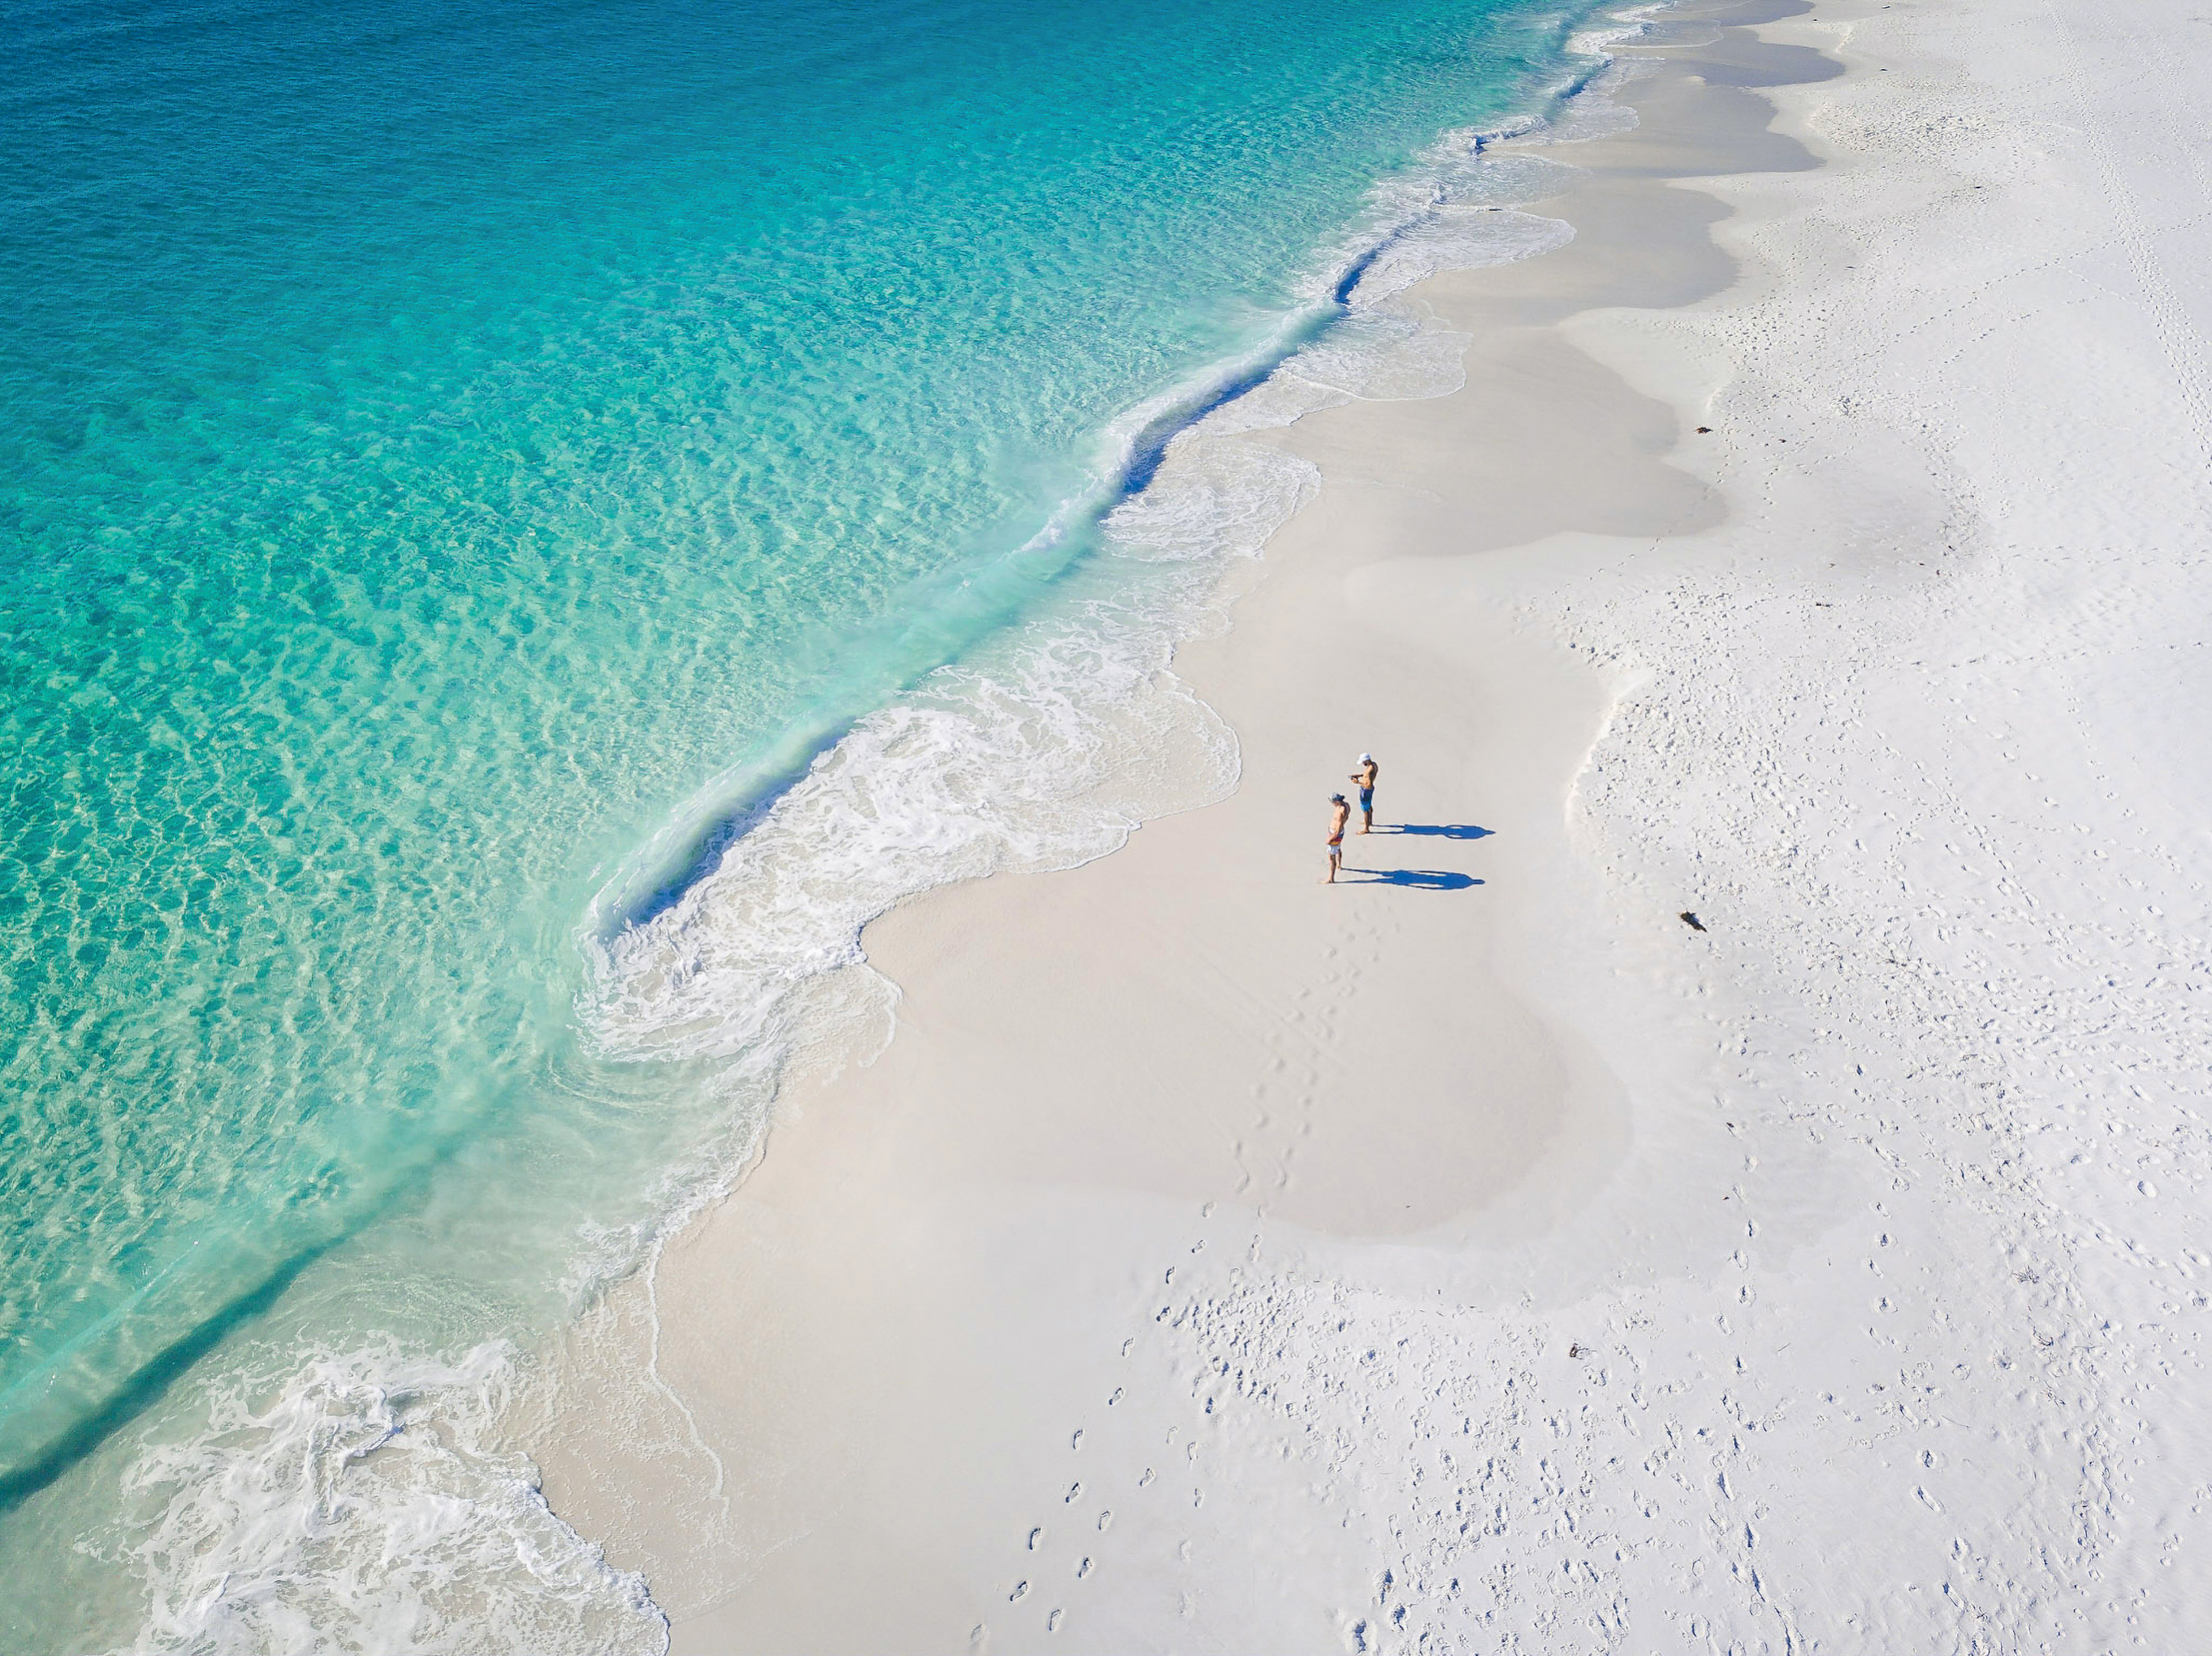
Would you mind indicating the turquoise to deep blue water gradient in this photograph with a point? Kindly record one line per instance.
(439, 439)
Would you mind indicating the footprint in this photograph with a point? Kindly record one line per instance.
(1082, 1569)
(1036, 1535)
(1147, 1478)
(1077, 1441)
(1021, 1588)
(1074, 1490)
(1051, 1622)
(1105, 1519)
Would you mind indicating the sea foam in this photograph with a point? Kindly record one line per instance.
(362, 1503)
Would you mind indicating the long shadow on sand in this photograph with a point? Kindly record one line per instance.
(1445, 830)
(1420, 879)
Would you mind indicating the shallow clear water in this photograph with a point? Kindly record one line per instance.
(462, 464)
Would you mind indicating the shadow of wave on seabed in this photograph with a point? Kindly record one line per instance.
(24, 1475)
(941, 617)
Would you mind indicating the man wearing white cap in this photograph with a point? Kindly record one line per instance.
(1365, 777)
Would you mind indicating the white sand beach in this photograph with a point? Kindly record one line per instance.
(1475, 1255)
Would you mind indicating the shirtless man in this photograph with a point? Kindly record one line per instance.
(1365, 777)
(1339, 812)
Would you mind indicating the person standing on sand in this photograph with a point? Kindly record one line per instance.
(1365, 777)
(1339, 812)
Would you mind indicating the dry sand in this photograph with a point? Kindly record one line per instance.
(1473, 1256)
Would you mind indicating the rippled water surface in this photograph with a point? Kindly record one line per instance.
(461, 464)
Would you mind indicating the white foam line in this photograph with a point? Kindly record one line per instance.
(652, 1370)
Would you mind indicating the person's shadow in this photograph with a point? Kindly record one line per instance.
(1423, 880)
(1443, 831)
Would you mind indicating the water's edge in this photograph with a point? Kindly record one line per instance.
(381, 1488)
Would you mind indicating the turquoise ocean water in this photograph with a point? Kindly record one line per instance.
(485, 496)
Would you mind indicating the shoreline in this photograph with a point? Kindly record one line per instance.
(1134, 444)
(464, 1388)
(1215, 1261)
(909, 946)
